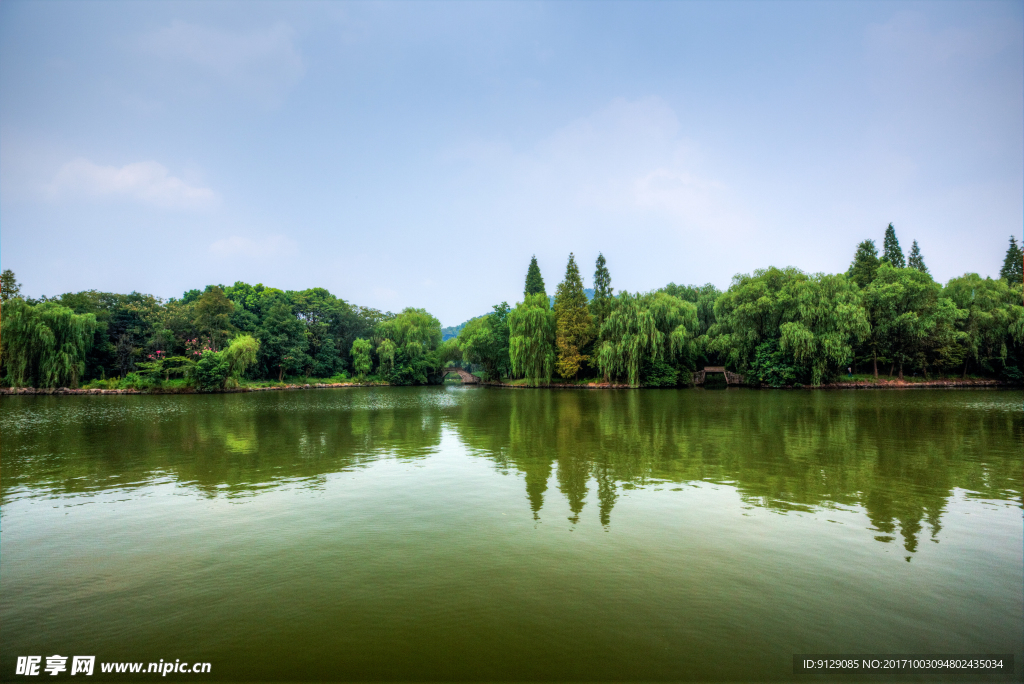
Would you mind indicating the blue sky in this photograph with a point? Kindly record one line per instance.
(417, 154)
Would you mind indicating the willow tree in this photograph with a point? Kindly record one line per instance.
(386, 351)
(902, 304)
(414, 332)
(828, 320)
(407, 350)
(531, 342)
(574, 326)
(750, 313)
(362, 363)
(44, 345)
(241, 355)
(649, 327)
(991, 308)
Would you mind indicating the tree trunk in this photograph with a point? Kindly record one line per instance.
(892, 367)
(280, 373)
(901, 371)
(875, 358)
(965, 370)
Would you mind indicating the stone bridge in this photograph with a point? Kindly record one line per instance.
(466, 377)
(730, 377)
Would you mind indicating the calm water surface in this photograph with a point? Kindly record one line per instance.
(448, 533)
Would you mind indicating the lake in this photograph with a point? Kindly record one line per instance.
(450, 533)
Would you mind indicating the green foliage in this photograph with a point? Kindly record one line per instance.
(485, 341)
(386, 351)
(215, 370)
(44, 345)
(574, 327)
(772, 366)
(704, 296)
(137, 381)
(176, 366)
(751, 312)
(990, 322)
(241, 355)
(531, 327)
(534, 282)
(865, 264)
(414, 332)
(916, 260)
(210, 372)
(903, 305)
(825, 321)
(213, 317)
(283, 347)
(652, 327)
(408, 349)
(9, 285)
(361, 359)
(891, 252)
(776, 325)
(1013, 264)
(601, 304)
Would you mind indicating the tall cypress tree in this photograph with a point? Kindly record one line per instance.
(574, 327)
(1013, 265)
(916, 260)
(534, 283)
(9, 285)
(891, 252)
(601, 304)
(865, 264)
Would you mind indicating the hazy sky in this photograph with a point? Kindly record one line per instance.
(415, 154)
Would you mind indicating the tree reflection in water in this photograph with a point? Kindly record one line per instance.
(898, 455)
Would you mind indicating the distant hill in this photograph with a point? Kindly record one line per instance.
(454, 330)
(589, 291)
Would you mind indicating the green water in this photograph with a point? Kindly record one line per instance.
(450, 533)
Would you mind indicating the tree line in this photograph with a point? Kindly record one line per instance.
(778, 326)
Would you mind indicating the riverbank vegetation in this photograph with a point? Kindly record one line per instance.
(885, 316)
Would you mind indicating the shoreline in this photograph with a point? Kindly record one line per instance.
(10, 391)
(857, 384)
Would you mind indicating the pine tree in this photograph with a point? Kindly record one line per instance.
(574, 327)
(865, 264)
(534, 282)
(601, 304)
(916, 260)
(1013, 265)
(892, 254)
(9, 286)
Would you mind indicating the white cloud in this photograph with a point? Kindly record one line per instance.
(679, 193)
(262, 62)
(626, 160)
(259, 248)
(148, 182)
